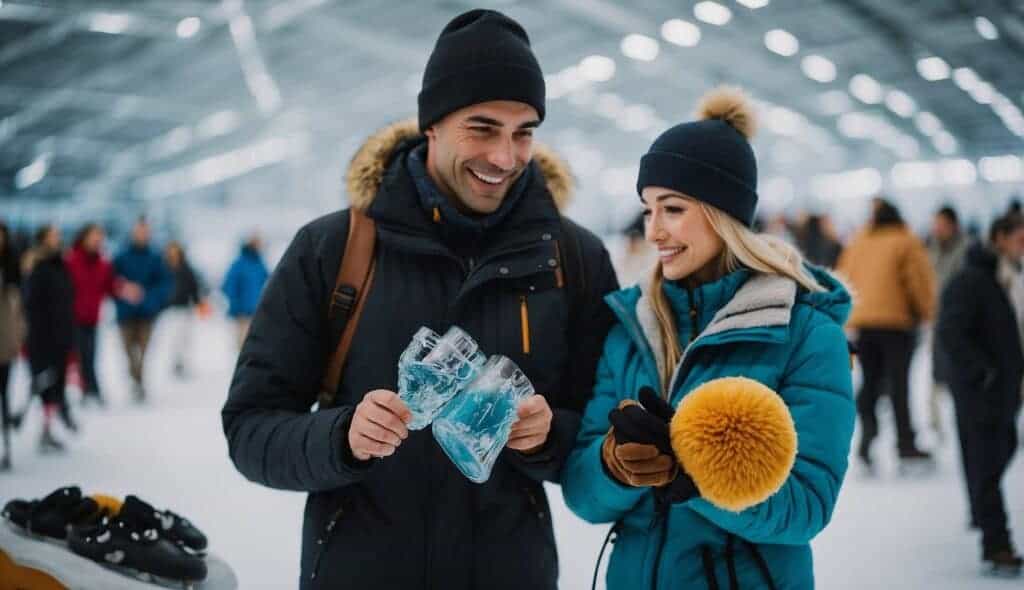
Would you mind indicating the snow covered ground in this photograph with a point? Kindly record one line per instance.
(887, 532)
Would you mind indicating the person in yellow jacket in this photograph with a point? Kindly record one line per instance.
(894, 293)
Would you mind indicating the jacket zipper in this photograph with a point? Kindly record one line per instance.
(524, 323)
(324, 539)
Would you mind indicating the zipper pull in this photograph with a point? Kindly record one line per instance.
(524, 323)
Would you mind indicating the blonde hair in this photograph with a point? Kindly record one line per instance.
(761, 253)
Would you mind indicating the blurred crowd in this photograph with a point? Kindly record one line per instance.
(956, 295)
(51, 300)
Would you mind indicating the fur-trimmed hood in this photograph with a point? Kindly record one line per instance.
(366, 170)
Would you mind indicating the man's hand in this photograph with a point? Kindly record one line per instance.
(530, 431)
(131, 292)
(378, 425)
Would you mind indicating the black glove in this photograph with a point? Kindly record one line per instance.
(650, 425)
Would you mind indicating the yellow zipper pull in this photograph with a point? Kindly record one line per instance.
(524, 322)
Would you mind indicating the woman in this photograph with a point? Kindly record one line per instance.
(10, 333)
(93, 278)
(722, 302)
(49, 306)
(889, 269)
(182, 304)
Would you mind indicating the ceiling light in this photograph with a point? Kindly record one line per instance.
(784, 121)
(927, 123)
(866, 89)
(958, 172)
(983, 93)
(681, 32)
(188, 27)
(855, 125)
(32, 173)
(965, 78)
(712, 13)
(1007, 168)
(110, 23)
(218, 123)
(781, 42)
(818, 68)
(911, 175)
(753, 4)
(933, 68)
(900, 103)
(639, 47)
(986, 28)
(597, 68)
(834, 102)
(944, 143)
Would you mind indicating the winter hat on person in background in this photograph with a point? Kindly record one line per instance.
(709, 159)
(481, 55)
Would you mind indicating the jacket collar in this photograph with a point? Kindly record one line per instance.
(743, 306)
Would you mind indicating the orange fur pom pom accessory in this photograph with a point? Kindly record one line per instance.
(736, 438)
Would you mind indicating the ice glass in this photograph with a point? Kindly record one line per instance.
(433, 368)
(474, 427)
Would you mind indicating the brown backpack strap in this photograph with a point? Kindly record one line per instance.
(355, 276)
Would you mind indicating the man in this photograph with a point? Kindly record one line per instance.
(947, 246)
(244, 283)
(146, 285)
(979, 325)
(468, 234)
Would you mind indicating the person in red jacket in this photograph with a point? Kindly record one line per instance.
(93, 277)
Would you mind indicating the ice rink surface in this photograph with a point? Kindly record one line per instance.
(890, 531)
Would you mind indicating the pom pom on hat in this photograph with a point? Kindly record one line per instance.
(729, 104)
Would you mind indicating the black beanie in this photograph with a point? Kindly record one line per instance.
(711, 159)
(482, 55)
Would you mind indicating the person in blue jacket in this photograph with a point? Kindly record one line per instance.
(718, 435)
(244, 283)
(143, 285)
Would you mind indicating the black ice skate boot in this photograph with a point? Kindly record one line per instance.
(50, 518)
(178, 529)
(132, 544)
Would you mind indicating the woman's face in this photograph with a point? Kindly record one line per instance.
(52, 240)
(688, 246)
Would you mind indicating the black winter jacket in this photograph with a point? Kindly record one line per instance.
(49, 308)
(412, 520)
(978, 329)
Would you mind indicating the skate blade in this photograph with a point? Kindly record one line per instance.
(151, 578)
(1002, 572)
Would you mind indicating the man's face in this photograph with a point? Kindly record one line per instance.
(1013, 244)
(943, 228)
(476, 153)
(140, 234)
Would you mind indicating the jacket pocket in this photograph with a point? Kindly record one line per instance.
(324, 540)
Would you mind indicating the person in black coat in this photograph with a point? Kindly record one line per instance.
(469, 233)
(185, 297)
(10, 332)
(978, 326)
(49, 306)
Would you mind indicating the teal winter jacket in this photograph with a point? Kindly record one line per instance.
(759, 326)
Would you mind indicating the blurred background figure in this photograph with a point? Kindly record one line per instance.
(947, 246)
(980, 326)
(816, 238)
(634, 261)
(145, 285)
(49, 307)
(11, 333)
(93, 278)
(182, 307)
(243, 284)
(894, 287)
